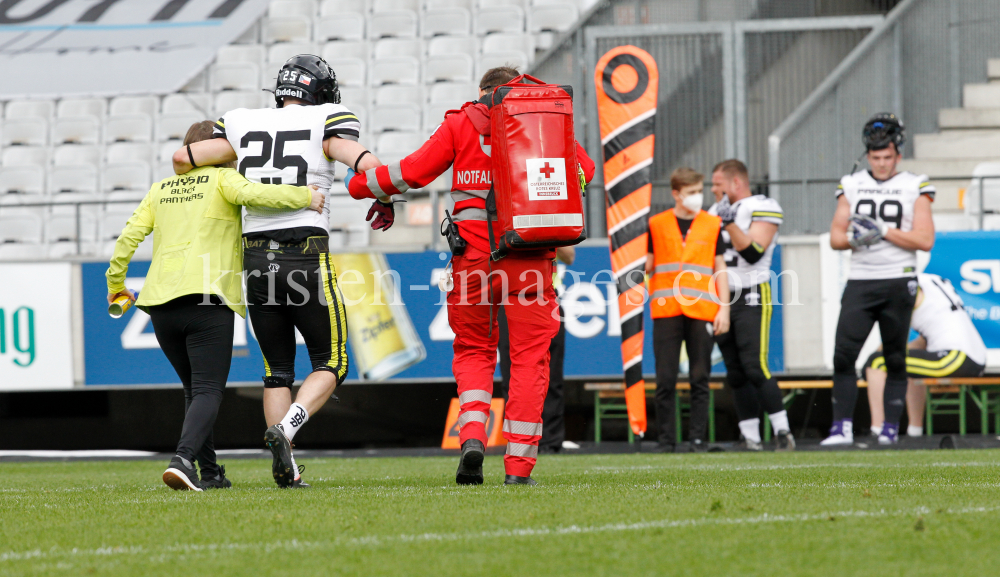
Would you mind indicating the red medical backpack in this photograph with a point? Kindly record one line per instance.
(536, 196)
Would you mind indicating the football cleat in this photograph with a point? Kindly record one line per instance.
(470, 464)
(515, 480)
(889, 434)
(784, 441)
(298, 483)
(746, 444)
(217, 481)
(181, 475)
(282, 465)
(841, 433)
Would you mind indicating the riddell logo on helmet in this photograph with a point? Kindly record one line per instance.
(293, 92)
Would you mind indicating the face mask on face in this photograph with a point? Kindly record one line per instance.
(693, 202)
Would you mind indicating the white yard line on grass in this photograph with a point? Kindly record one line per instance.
(379, 540)
(783, 467)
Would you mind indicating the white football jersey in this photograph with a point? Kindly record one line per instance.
(892, 201)
(285, 146)
(757, 208)
(942, 320)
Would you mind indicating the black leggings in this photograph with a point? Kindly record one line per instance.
(198, 341)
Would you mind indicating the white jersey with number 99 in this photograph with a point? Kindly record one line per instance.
(285, 146)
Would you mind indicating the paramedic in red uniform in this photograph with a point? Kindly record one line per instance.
(521, 281)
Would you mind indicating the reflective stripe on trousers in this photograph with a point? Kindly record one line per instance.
(522, 428)
(472, 417)
(475, 396)
(522, 450)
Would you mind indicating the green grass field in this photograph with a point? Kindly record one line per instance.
(848, 513)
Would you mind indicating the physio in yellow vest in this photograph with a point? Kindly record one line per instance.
(687, 305)
(194, 286)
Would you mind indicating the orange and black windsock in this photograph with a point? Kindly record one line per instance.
(627, 81)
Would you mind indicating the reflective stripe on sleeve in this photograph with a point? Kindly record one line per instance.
(522, 428)
(396, 176)
(373, 186)
(474, 396)
(522, 450)
(472, 417)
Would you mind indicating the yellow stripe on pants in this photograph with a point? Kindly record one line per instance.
(765, 326)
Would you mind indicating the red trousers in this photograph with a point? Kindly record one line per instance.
(524, 287)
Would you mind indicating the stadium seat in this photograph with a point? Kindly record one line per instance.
(499, 19)
(77, 179)
(134, 105)
(197, 103)
(448, 68)
(434, 115)
(446, 22)
(24, 132)
(279, 8)
(350, 71)
(76, 155)
(352, 97)
(18, 109)
(128, 198)
(226, 101)
(128, 152)
(165, 152)
(397, 70)
(278, 54)
(340, 7)
(197, 84)
(252, 53)
(67, 203)
(434, 4)
(395, 24)
(251, 36)
(23, 251)
(398, 94)
(20, 227)
(518, 3)
(174, 126)
(16, 156)
(498, 43)
(113, 220)
(72, 107)
(162, 171)
(390, 47)
(76, 130)
(447, 45)
(235, 76)
(397, 117)
(347, 26)
(17, 180)
(61, 228)
(128, 176)
(516, 59)
(574, 3)
(128, 128)
(453, 93)
(559, 18)
(287, 29)
(345, 49)
(393, 5)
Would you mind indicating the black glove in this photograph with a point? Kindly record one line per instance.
(384, 215)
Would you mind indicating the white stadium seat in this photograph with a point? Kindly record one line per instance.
(67, 203)
(21, 227)
(162, 171)
(455, 93)
(446, 45)
(306, 8)
(398, 94)
(252, 53)
(30, 109)
(226, 101)
(278, 54)
(234, 76)
(61, 228)
(395, 24)
(348, 26)
(352, 96)
(518, 3)
(392, 5)
(339, 7)
(499, 19)
(165, 152)
(286, 29)
(174, 126)
(552, 18)
(19, 251)
(113, 220)
(434, 115)
(199, 83)
(25, 156)
(397, 117)
(345, 49)
(17, 180)
(76, 155)
(467, 4)
(128, 176)
(516, 59)
(76, 179)
(128, 152)
(128, 128)
(389, 47)
(81, 107)
(134, 105)
(397, 70)
(191, 102)
(24, 132)
(498, 43)
(349, 71)
(251, 36)
(446, 22)
(448, 68)
(76, 130)
(573, 3)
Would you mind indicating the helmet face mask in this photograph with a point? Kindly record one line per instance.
(882, 130)
(307, 78)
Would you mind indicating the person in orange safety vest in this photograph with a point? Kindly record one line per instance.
(687, 305)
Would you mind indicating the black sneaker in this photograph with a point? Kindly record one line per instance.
(515, 480)
(298, 483)
(181, 476)
(217, 481)
(784, 441)
(470, 464)
(281, 450)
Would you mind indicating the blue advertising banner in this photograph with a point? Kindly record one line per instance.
(125, 352)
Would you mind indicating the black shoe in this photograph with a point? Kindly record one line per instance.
(281, 450)
(217, 481)
(181, 476)
(298, 483)
(515, 480)
(784, 441)
(470, 464)
(699, 446)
